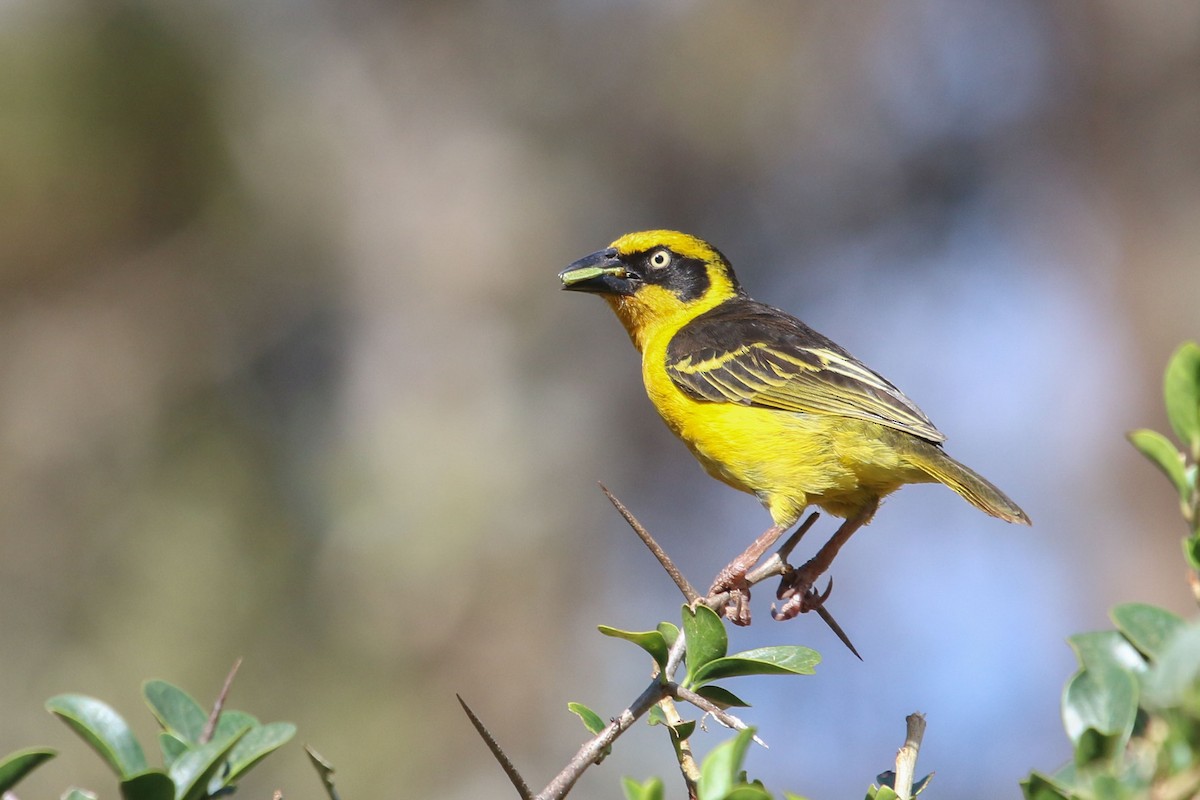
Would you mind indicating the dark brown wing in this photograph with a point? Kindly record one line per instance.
(748, 353)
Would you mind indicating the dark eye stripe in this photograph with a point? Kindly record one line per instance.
(687, 278)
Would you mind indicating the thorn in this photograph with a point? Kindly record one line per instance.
(816, 602)
(797, 535)
(505, 763)
(824, 614)
(210, 726)
(689, 593)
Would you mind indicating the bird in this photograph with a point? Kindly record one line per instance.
(768, 405)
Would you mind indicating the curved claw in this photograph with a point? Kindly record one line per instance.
(812, 600)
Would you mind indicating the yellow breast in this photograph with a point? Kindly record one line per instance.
(788, 460)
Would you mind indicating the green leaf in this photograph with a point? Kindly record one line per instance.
(669, 633)
(172, 746)
(1164, 455)
(748, 792)
(1093, 746)
(1181, 390)
(1191, 551)
(1107, 787)
(1104, 700)
(153, 784)
(680, 730)
(683, 730)
(231, 721)
(324, 770)
(18, 764)
(706, 639)
(258, 743)
(75, 793)
(1177, 669)
(650, 790)
(175, 710)
(719, 773)
(1148, 627)
(652, 642)
(881, 793)
(1100, 650)
(1040, 787)
(1066, 777)
(722, 697)
(591, 720)
(887, 780)
(779, 660)
(103, 729)
(192, 771)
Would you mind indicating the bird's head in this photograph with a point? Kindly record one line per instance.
(654, 279)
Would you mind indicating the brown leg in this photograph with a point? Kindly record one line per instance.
(732, 578)
(797, 587)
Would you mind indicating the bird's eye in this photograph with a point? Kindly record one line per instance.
(659, 259)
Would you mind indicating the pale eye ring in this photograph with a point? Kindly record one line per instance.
(660, 259)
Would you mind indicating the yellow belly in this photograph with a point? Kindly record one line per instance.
(788, 460)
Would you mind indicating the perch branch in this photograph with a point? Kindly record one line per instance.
(587, 754)
(775, 565)
(662, 686)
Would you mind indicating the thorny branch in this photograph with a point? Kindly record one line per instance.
(662, 687)
(776, 564)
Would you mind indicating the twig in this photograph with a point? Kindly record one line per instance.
(797, 535)
(564, 780)
(505, 762)
(906, 759)
(689, 593)
(661, 687)
(210, 726)
(775, 565)
(683, 748)
(675, 657)
(1180, 786)
(324, 770)
(709, 707)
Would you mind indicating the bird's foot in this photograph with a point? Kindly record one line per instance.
(732, 583)
(796, 588)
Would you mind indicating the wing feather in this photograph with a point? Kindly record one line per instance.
(748, 353)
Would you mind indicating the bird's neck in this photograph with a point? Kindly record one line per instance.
(654, 312)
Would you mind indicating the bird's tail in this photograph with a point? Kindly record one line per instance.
(975, 488)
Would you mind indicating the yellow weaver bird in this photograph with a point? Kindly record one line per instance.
(767, 404)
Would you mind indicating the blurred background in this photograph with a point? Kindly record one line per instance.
(285, 371)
